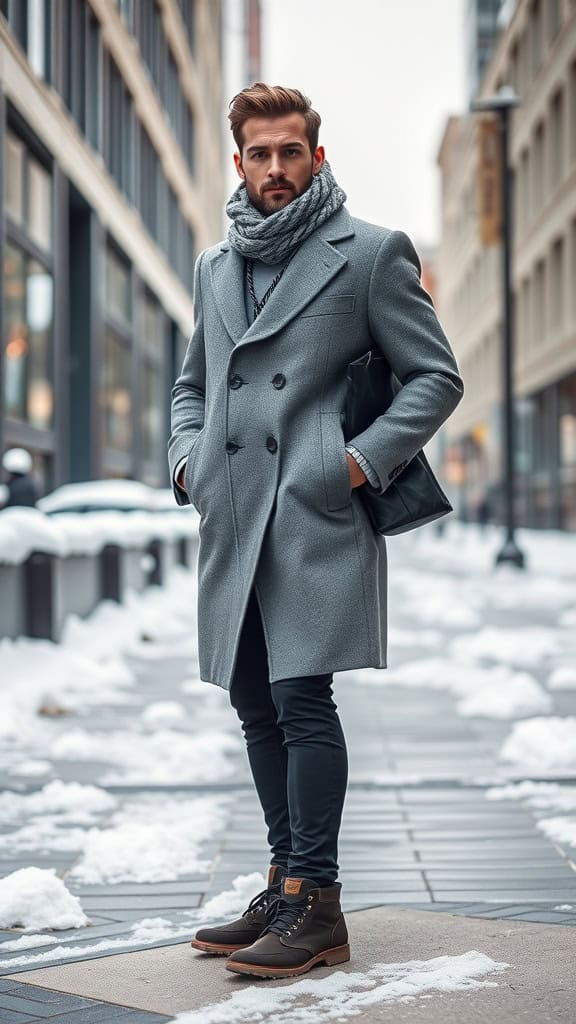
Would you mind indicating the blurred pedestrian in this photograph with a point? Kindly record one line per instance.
(291, 575)
(20, 487)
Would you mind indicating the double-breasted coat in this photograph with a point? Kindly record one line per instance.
(257, 410)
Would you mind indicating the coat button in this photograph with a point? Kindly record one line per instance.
(271, 443)
(232, 447)
(236, 381)
(279, 380)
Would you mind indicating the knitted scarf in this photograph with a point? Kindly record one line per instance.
(276, 237)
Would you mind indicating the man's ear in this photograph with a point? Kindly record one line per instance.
(319, 158)
(238, 163)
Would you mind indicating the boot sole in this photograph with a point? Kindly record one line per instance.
(330, 957)
(217, 948)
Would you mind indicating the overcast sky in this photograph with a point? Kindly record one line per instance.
(384, 75)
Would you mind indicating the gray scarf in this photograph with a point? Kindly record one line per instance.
(276, 237)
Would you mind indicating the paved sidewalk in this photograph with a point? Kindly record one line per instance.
(537, 987)
(418, 835)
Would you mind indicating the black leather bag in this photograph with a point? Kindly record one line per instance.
(414, 497)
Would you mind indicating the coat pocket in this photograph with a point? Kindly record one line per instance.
(190, 466)
(337, 483)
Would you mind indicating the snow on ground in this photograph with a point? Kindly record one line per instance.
(492, 692)
(161, 757)
(151, 839)
(559, 830)
(562, 678)
(232, 902)
(39, 673)
(527, 646)
(345, 994)
(35, 898)
(156, 614)
(544, 744)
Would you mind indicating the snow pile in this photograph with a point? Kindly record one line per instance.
(30, 769)
(151, 840)
(349, 994)
(163, 713)
(398, 637)
(526, 647)
(37, 673)
(162, 615)
(162, 757)
(562, 678)
(492, 692)
(232, 902)
(45, 817)
(34, 898)
(437, 599)
(546, 744)
(518, 697)
(559, 830)
(73, 801)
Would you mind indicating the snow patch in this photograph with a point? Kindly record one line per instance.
(151, 840)
(542, 743)
(349, 994)
(35, 898)
(232, 902)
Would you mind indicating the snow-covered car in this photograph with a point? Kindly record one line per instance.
(108, 495)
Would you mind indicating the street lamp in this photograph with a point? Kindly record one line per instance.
(501, 104)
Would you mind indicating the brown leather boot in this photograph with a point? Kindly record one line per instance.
(307, 927)
(245, 930)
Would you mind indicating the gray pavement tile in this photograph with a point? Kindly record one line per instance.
(520, 882)
(140, 888)
(145, 902)
(27, 1007)
(503, 895)
(100, 1013)
(49, 997)
(12, 1017)
(543, 917)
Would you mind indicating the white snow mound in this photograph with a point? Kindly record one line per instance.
(33, 898)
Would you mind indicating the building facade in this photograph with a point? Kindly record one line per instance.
(536, 55)
(112, 181)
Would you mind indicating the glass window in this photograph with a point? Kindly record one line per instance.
(567, 390)
(115, 394)
(152, 409)
(28, 295)
(118, 288)
(39, 204)
(14, 183)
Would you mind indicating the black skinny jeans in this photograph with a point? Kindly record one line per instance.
(297, 754)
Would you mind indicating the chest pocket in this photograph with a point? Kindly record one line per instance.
(327, 305)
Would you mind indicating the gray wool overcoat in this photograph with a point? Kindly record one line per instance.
(256, 409)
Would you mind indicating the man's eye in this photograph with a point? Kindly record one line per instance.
(292, 152)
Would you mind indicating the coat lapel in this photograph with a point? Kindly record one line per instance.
(315, 264)
(227, 273)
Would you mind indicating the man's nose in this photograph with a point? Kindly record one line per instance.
(276, 169)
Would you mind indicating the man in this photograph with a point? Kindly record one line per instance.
(291, 576)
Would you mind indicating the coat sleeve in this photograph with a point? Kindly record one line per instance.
(405, 328)
(188, 393)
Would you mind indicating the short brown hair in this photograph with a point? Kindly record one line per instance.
(261, 100)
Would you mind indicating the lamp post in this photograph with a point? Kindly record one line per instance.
(501, 104)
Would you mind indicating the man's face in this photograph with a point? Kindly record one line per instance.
(276, 162)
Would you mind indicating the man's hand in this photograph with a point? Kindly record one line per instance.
(357, 474)
(180, 478)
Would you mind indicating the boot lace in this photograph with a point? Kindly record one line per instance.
(284, 916)
(264, 900)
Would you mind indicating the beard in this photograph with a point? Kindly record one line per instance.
(266, 202)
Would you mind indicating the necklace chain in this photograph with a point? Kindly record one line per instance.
(260, 303)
